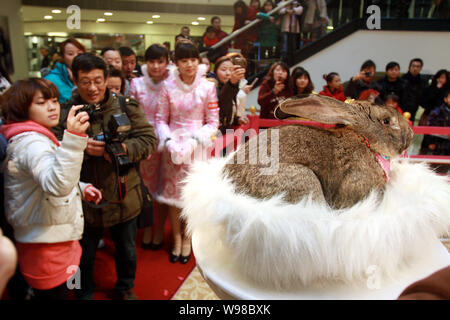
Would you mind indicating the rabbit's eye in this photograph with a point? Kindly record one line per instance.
(386, 121)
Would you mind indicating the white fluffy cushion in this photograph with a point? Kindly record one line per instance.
(283, 245)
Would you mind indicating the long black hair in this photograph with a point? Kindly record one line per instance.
(243, 15)
(438, 75)
(186, 49)
(297, 73)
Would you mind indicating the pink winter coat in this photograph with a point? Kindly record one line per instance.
(187, 118)
(147, 93)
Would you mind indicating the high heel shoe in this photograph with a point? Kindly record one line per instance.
(156, 246)
(174, 258)
(184, 259)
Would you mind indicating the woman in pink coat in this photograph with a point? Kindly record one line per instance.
(187, 118)
(147, 90)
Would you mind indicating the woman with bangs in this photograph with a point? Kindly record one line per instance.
(232, 91)
(42, 189)
(301, 82)
(147, 90)
(187, 119)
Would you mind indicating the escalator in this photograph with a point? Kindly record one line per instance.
(346, 18)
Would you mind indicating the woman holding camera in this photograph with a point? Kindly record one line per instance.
(187, 118)
(230, 78)
(42, 189)
(274, 89)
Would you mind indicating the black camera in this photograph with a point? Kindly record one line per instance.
(118, 128)
(93, 111)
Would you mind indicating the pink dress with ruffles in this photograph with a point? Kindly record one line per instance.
(184, 112)
(147, 93)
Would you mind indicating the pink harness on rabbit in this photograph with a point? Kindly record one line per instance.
(385, 163)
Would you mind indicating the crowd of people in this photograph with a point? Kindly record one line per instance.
(84, 140)
(404, 93)
(280, 34)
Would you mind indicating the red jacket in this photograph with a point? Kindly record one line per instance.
(249, 35)
(338, 94)
(269, 100)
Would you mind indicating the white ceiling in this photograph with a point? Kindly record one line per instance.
(36, 14)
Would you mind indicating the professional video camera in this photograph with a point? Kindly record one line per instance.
(118, 127)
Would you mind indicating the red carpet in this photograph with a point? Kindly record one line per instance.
(156, 277)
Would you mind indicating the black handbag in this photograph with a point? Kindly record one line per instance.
(145, 218)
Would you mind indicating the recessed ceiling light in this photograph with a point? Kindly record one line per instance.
(156, 16)
(100, 20)
(195, 23)
(108, 13)
(201, 18)
(48, 17)
(149, 22)
(56, 11)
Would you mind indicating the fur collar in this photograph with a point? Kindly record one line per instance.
(150, 84)
(201, 71)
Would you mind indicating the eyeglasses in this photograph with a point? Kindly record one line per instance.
(87, 84)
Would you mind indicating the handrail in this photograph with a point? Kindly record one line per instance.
(237, 32)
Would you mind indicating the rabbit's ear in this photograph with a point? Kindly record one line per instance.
(317, 108)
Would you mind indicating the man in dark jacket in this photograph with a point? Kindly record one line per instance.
(414, 87)
(121, 190)
(391, 83)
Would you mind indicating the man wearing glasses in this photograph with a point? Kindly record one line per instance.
(123, 205)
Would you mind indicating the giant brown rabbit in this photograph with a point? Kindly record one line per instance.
(338, 165)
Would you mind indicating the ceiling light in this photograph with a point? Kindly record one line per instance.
(100, 20)
(156, 16)
(56, 11)
(201, 18)
(108, 13)
(149, 22)
(195, 23)
(48, 17)
(330, 27)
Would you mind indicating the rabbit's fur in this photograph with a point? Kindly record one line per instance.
(335, 165)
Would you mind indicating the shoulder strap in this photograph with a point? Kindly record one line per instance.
(123, 106)
(123, 103)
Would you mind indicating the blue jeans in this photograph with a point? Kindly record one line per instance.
(124, 238)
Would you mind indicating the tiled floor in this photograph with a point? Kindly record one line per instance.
(195, 287)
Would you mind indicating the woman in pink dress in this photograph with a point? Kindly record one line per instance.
(187, 118)
(147, 90)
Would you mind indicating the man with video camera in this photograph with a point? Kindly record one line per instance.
(119, 137)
